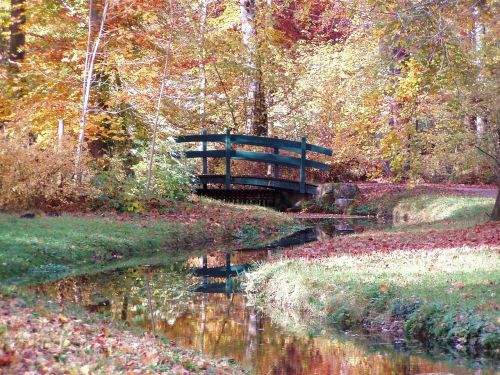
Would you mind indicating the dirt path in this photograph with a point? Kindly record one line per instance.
(489, 191)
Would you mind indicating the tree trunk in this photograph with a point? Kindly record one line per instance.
(495, 215)
(256, 111)
(17, 36)
(478, 41)
(88, 79)
(158, 103)
(203, 75)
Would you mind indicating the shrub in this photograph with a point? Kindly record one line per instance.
(37, 177)
(403, 309)
(172, 176)
(342, 318)
(122, 184)
(464, 330)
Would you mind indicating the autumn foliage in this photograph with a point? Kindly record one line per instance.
(397, 90)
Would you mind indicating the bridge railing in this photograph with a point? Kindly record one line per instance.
(275, 158)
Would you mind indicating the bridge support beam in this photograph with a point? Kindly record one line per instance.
(228, 159)
(303, 151)
(276, 166)
(204, 160)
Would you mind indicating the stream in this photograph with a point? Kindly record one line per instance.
(199, 305)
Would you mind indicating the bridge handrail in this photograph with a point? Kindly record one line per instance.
(293, 146)
(252, 140)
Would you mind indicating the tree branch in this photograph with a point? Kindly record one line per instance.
(495, 159)
(72, 10)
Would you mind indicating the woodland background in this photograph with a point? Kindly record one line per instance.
(401, 90)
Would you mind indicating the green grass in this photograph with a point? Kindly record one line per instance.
(432, 208)
(446, 297)
(49, 248)
(426, 207)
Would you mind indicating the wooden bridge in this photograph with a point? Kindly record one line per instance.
(274, 182)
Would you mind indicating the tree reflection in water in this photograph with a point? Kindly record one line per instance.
(221, 324)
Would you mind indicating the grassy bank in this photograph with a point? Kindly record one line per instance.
(47, 248)
(424, 205)
(434, 276)
(444, 297)
(40, 336)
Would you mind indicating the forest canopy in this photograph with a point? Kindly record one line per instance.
(403, 90)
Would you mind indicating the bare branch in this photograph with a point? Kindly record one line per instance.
(72, 10)
(495, 159)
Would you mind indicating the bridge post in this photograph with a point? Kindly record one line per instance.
(205, 160)
(303, 151)
(228, 263)
(276, 166)
(228, 159)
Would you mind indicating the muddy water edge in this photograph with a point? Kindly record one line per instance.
(198, 304)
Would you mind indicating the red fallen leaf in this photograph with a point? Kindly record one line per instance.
(479, 235)
(7, 358)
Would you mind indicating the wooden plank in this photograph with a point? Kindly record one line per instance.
(258, 181)
(253, 140)
(221, 271)
(303, 166)
(228, 159)
(201, 138)
(276, 167)
(283, 144)
(319, 149)
(206, 154)
(263, 157)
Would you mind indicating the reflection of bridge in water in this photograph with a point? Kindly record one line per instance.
(224, 277)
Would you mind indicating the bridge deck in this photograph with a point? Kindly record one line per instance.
(267, 182)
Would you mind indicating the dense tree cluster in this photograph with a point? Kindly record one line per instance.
(401, 89)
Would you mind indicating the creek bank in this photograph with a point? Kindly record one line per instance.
(445, 298)
(434, 277)
(398, 201)
(42, 337)
(34, 250)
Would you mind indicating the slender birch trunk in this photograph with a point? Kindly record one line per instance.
(495, 215)
(256, 112)
(203, 75)
(158, 104)
(478, 41)
(87, 84)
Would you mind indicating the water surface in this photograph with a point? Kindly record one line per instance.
(219, 321)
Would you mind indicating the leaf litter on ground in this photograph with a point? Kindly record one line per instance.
(39, 340)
